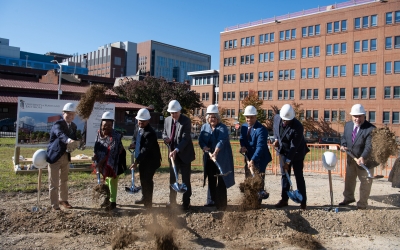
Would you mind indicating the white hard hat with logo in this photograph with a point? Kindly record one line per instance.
(329, 160)
(69, 107)
(39, 158)
(143, 115)
(174, 106)
(250, 110)
(357, 109)
(212, 109)
(107, 116)
(287, 112)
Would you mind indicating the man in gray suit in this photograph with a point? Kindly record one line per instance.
(176, 134)
(357, 139)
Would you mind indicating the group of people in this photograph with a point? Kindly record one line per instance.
(110, 155)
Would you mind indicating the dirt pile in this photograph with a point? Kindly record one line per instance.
(95, 93)
(251, 188)
(122, 238)
(383, 144)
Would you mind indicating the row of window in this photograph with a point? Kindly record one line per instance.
(205, 96)
(266, 76)
(337, 49)
(266, 57)
(287, 54)
(247, 59)
(265, 95)
(287, 74)
(230, 61)
(333, 71)
(310, 52)
(390, 41)
(287, 34)
(314, 30)
(309, 94)
(229, 96)
(286, 94)
(309, 73)
(372, 43)
(364, 69)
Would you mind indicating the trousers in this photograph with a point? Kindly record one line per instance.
(58, 178)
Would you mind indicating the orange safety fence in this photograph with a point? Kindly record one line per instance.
(312, 161)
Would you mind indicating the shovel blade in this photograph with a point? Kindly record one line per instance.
(263, 195)
(295, 196)
(376, 177)
(223, 174)
(180, 188)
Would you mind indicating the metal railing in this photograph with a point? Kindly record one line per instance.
(317, 10)
(312, 161)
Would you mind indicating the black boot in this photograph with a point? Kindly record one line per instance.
(112, 206)
(106, 202)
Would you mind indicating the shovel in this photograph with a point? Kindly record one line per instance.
(133, 189)
(37, 208)
(331, 208)
(261, 194)
(293, 195)
(221, 173)
(364, 167)
(180, 188)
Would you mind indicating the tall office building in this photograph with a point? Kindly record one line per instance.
(170, 62)
(327, 59)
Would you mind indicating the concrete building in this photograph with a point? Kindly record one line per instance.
(170, 62)
(327, 59)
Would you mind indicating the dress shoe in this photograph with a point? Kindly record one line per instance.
(65, 204)
(281, 203)
(141, 201)
(186, 207)
(112, 206)
(211, 204)
(303, 206)
(361, 208)
(345, 203)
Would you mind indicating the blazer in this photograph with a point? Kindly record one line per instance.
(291, 141)
(361, 147)
(256, 145)
(219, 138)
(182, 140)
(149, 154)
(59, 140)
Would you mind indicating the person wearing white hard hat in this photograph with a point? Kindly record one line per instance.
(292, 148)
(357, 139)
(176, 135)
(147, 155)
(109, 157)
(62, 136)
(214, 139)
(253, 143)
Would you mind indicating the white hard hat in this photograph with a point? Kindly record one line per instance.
(250, 110)
(357, 109)
(329, 160)
(39, 158)
(212, 109)
(69, 107)
(143, 115)
(287, 112)
(174, 106)
(107, 116)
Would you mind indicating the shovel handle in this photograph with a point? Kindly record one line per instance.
(98, 174)
(39, 184)
(133, 177)
(288, 177)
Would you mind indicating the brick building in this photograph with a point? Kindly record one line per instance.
(327, 59)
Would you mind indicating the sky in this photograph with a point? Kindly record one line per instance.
(81, 26)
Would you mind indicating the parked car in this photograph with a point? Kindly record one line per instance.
(330, 140)
(7, 124)
(312, 139)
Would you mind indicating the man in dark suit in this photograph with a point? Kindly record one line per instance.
(147, 155)
(357, 139)
(253, 142)
(176, 134)
(292, 148)
(62, 142)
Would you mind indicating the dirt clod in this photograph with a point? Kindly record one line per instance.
(95, 93)
(250, 187)
(100, 190)
(383, 145)
(122, 238)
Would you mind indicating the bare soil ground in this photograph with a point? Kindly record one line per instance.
(130, 226)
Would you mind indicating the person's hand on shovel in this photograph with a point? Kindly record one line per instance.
(250, 165)
(172, 154)
(134, 166)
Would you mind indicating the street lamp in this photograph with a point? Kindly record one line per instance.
(59, 79)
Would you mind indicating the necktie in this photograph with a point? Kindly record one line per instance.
(173, 128)
(69, 130)
(353, 135)
(248, 133)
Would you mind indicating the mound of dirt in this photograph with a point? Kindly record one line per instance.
(383, 145)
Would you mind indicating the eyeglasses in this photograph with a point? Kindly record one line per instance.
(212, 117)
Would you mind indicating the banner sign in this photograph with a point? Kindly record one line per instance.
(36, 117)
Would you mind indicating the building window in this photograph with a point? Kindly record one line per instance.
(287, 74)
(252, 58)
(241, 77)
(334, 115)
(397, 42)
(271, 75)
(372, 44)
(265, 94)
(287, 34)
(316, 72)
(292, 74)
(272, 37)
(315, 115)
(292, 94)
(356, 94)
(233, 78)
(279, 94)
(293, 33)
(372, 68)
(270, 96)
(374, 20)
(316, 95)
(316, 50)
(395, 118)
(271, 56)
(310, 51)
(326, 115)
(364, 94)
(387, 93)
(310, 73)
(310, 30)
(336, 49)
(265, 75)
(365, 22)
(304, 32)
(329, 27)
(372, 92)
(308, 114)
(328, 71)
(328, 94)
(287, 54)
(317, 29)
(356, 69)
(233, 96)
(329, 49)
(386, 117)
(343, 70)
(251, 77)
(343, 48)
(335, 71)
(266, 38)
(396, 67)
(260, 76)
(342, 115)
(344, 25)
(388, 67)
(371, 115)
(356, 46)
(342, 93)
(396, 92)
(281, 35)
(286, 94)
(389, 18)
(357, 23)
(261, 57)
(309, 94)
(397, 17)
(365, 45)
(293, 54)
(364, 69)
(388, 43)
(302, 94)
(303, 52)
(281, 55)
(336, 27)
(261, 39)
(303, 73)
(259, 95)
